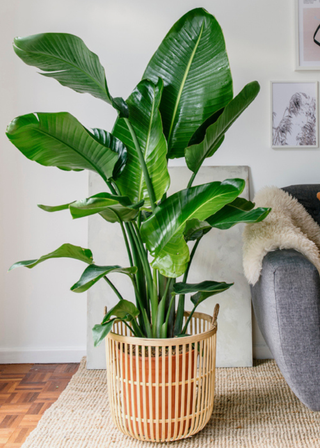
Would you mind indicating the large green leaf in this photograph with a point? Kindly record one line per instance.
(55, 208)
(193, 63)
(64, 251)
(94, 273)
(100, 331)
(195, 229)
(242, 204)
(58, 139)
(172, 260)
(110, 141)
(198, 202)
(146, 122)
(200, 133)
(111, 208)
(196, 154)
(236, 213)
(66, 58)
(122, 310)
(203, 290)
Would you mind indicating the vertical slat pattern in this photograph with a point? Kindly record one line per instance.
(196, 390)
(122, 410)
(176, 391)
(151, 393)
(182, 391)
(157, 386)
(126, 398)
(133, 398)
(170, 392)
(163, 395)
(160, 391)
(138, 388)
(190, 390)
(144, 395)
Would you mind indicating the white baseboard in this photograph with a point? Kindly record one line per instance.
(41, 356)
(261, 351)
(75, 354)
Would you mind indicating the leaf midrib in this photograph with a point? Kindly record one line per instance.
(224, 128)
(190, 217)
(183, 82)
(66, 62)
(147, 144)
(66, 144)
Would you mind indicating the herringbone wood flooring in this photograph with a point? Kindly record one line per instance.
(26, 391)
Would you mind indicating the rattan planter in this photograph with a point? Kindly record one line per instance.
(162, 389)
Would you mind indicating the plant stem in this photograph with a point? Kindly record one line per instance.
(196, 244)
(140, 304)
(140, 276)
(192, 179)
(144, 259)
(188, 320)
(162, 309)
(167, 288)
(126, 243)
(181, 302)
(137, 330)
(115, 188)
(147, 324)
(144, 323)
(113, 287)
(155, 279)
(111, 187)
(139, 219)
(130, 328)
(186, 275)
(143, 165)
(164, 330)
(151, 287)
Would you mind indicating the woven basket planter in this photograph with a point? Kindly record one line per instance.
(162, 389)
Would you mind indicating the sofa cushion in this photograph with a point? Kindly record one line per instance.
(307, 196)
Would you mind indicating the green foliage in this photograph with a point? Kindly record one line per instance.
(64, 251)
(66, 58)
(146, 128)
(93, 273)
(196, 154)
(60, 140)
(182, 108)
(193, 64)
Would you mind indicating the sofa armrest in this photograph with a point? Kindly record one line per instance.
(286, 301)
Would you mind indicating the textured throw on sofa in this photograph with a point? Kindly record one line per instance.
(288, 226)
(282, 263)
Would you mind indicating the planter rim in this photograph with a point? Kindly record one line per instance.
(167, 342)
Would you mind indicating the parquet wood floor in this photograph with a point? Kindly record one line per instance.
(26, 391)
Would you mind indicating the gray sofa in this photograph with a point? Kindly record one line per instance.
(286, 302)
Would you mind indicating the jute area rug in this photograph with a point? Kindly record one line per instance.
(254, 407)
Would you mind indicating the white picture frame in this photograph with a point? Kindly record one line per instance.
(294, 114)
(307, 34)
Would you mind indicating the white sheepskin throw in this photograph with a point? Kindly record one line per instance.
(288, 226)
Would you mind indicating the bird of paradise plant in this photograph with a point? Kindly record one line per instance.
(182, 107)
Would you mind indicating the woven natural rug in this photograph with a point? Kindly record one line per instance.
(254, 408)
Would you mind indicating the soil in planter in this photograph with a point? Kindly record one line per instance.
(159, 400)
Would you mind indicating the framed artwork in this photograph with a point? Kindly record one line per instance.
(294, 108)
(307, 34)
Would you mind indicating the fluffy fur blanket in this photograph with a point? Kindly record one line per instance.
(288, 226)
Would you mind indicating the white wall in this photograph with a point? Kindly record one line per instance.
(40, 319)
